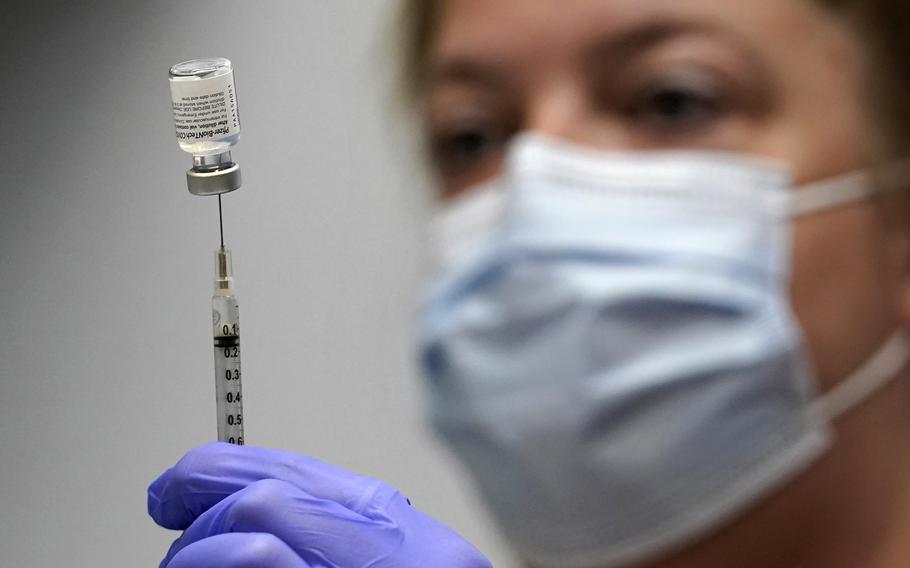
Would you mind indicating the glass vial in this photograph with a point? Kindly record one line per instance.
(207, 122)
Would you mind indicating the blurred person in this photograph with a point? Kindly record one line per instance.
(668, 323)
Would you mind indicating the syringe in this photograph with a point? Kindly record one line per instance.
(207, 125)
(226, 330)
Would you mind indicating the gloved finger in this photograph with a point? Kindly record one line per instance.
(320, 531)
(237, 550)
(208, 474)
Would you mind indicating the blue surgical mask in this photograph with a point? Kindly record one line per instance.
(611, 349)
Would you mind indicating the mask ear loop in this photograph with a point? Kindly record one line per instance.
(848, 188)
(877, 372)
(835, 192)
(894, 355)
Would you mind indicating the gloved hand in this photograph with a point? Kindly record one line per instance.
(241, 506)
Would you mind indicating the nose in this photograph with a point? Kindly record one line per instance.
(564, 110)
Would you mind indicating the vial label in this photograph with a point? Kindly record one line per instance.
(205, 109)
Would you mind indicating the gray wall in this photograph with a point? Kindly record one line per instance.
(106, 266)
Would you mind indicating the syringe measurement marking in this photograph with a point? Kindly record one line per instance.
(227, 348)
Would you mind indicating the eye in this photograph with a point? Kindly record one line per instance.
(678, 104)
(464, 147)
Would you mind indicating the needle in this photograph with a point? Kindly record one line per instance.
(220, 221)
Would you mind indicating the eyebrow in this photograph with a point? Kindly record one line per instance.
(465, 69)
(474, 70)
(641, 38)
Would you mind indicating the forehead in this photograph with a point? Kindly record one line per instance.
(549, 28)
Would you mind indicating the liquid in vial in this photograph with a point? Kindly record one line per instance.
(204, 100)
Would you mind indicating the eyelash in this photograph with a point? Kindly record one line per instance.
(676, 106)
(666, 109)
(459, 148)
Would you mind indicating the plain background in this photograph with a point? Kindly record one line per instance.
(106, 265)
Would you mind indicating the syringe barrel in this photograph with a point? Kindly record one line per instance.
(226, 334)
(228, 390)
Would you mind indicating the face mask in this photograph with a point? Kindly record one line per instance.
(611, 350)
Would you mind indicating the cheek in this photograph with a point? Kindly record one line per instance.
(843, 290)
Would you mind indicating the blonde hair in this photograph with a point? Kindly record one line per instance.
(418, 21)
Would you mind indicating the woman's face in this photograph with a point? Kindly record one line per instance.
(778, 78)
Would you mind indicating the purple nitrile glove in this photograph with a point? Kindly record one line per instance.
(241, 506)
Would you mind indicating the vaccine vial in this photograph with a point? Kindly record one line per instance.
(207, 122)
